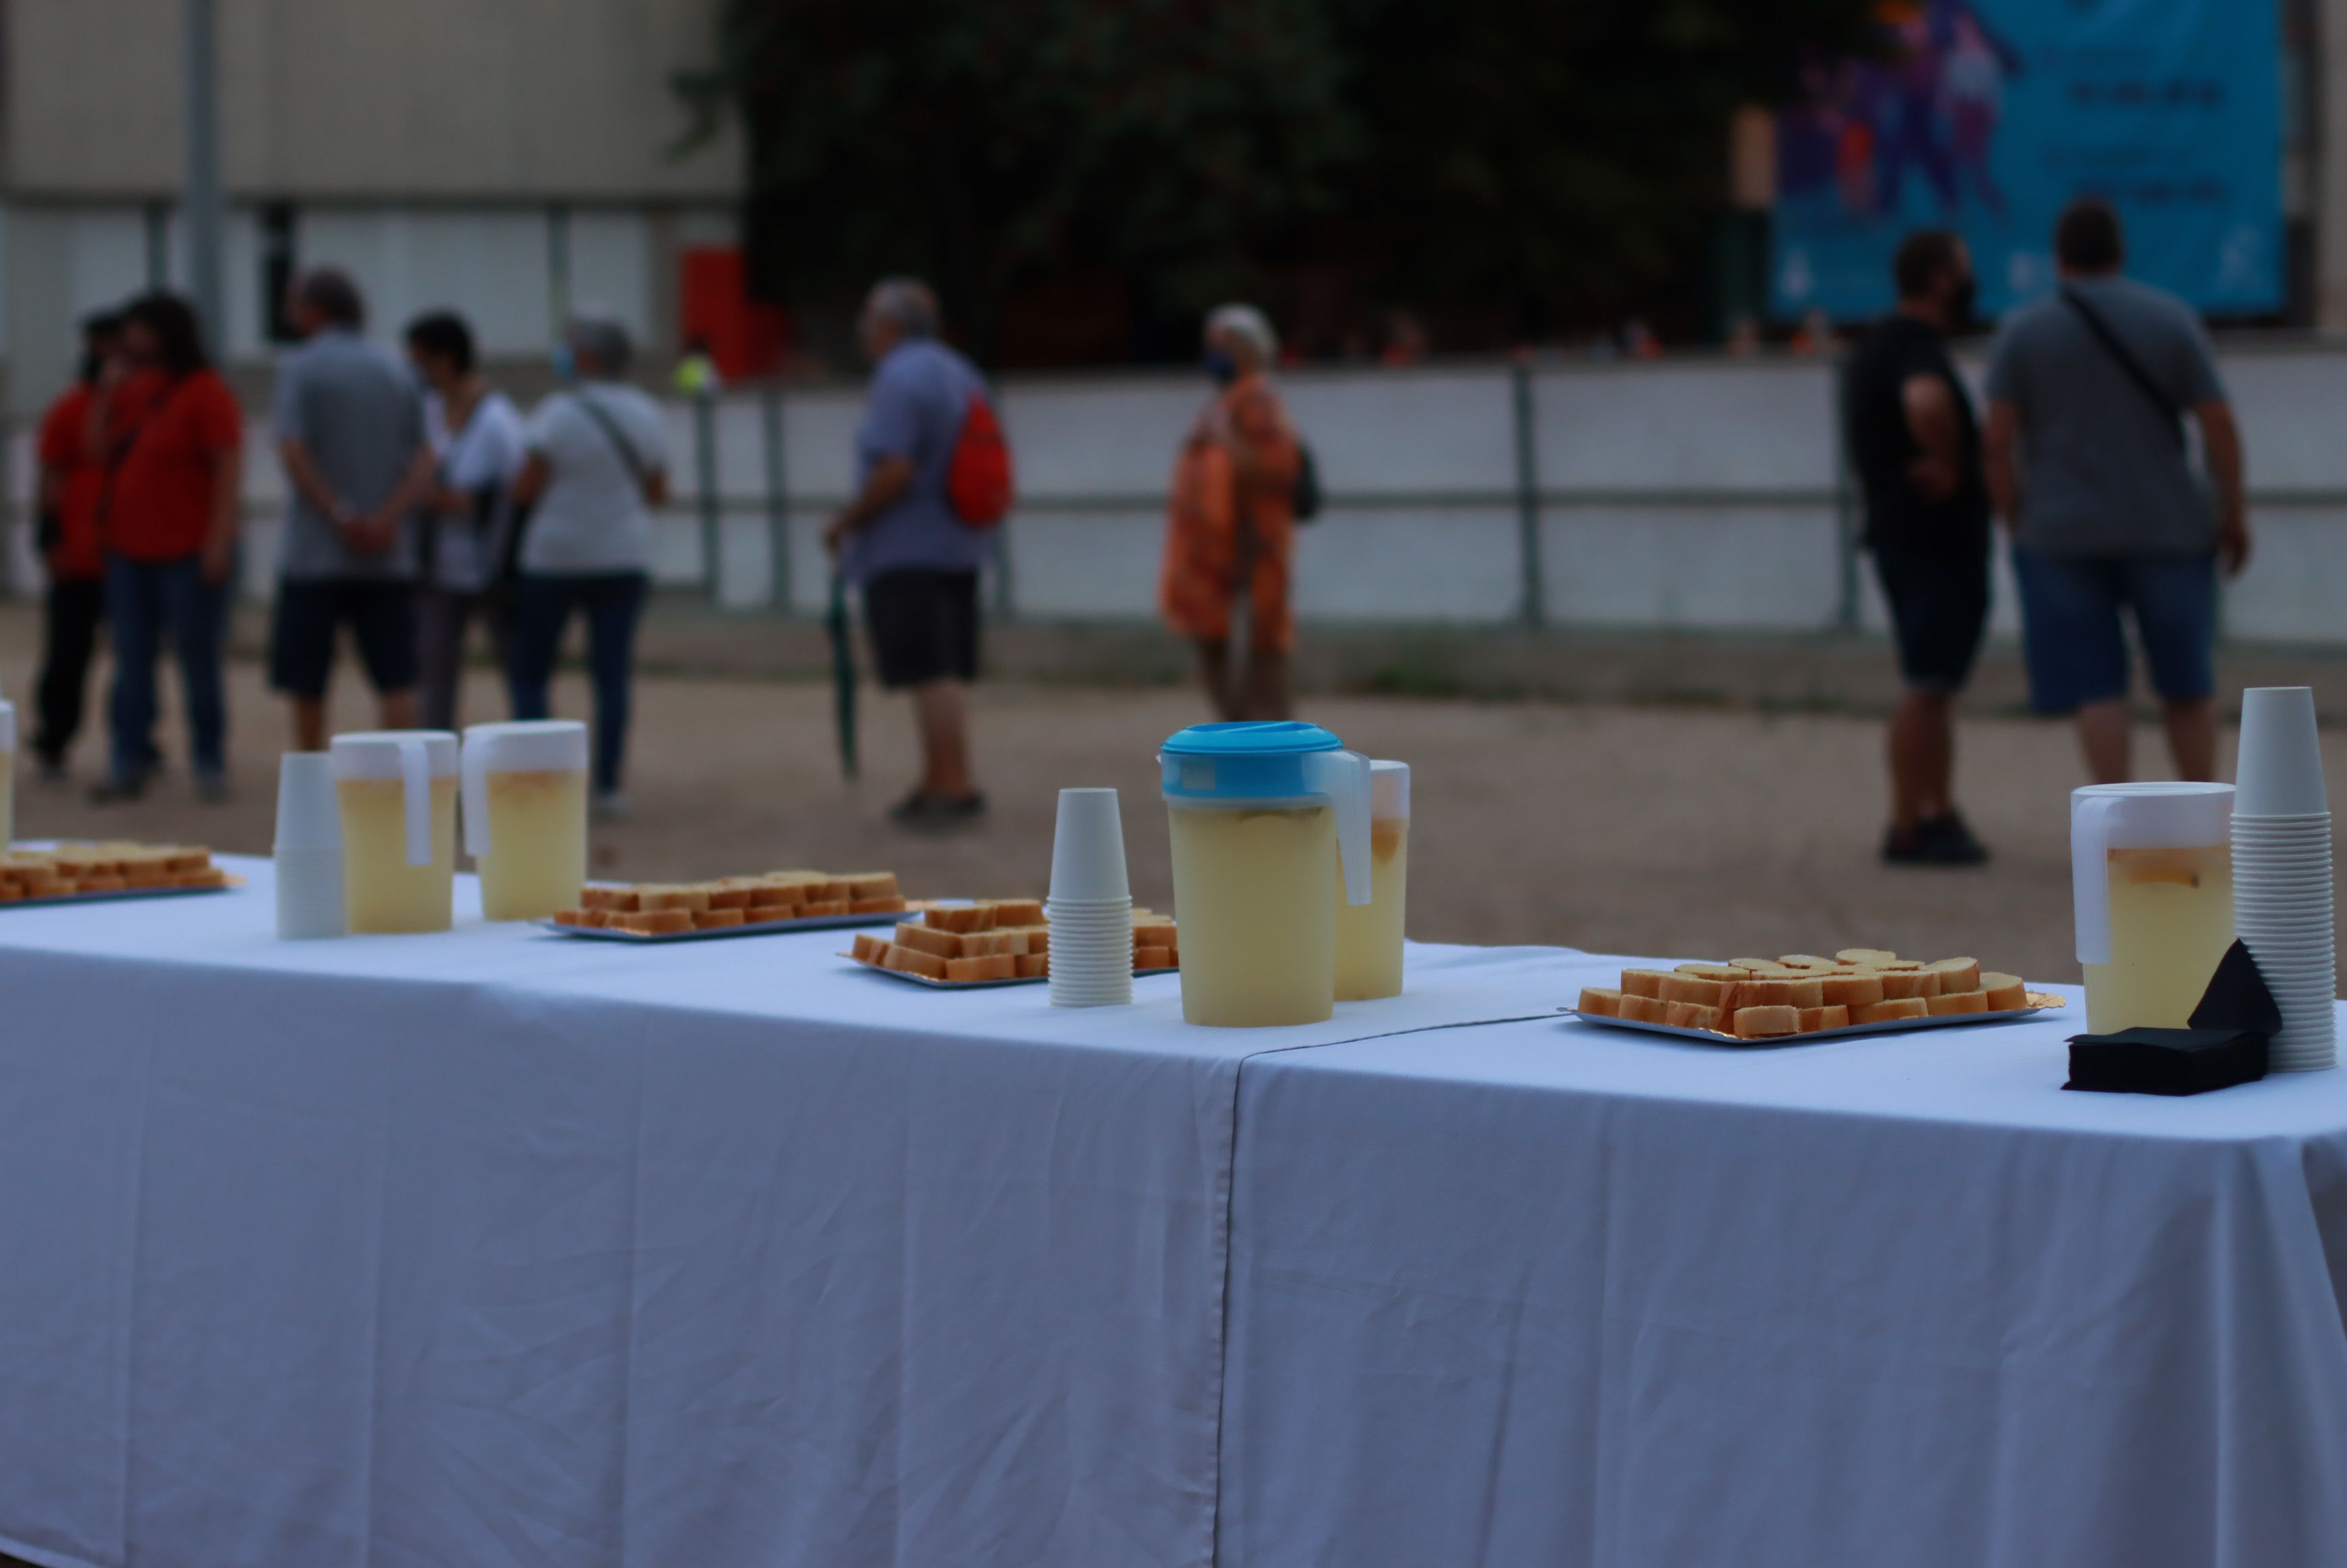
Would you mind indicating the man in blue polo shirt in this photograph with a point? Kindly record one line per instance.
(899, 541)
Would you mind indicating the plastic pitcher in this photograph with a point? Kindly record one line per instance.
(2152, 880)
(397, 790)
(526, 814)
(1263, 815)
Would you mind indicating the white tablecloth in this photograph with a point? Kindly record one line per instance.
(1554, 1294)
(505, 1248)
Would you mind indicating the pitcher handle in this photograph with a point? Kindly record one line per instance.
(416, 795)
(1345, 777)
(2090, 876)
(474, 766)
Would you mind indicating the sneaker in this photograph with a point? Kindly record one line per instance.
(1942, 840)
(211, 788)
(922, 813)
(611, 806)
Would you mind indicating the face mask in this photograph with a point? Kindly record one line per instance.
(1222, 367)
(566, 368)
(1961, 301)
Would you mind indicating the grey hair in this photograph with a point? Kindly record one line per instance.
(602, 338)
(1249, 325)
(907, 304)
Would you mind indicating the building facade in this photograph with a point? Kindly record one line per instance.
(508, 159)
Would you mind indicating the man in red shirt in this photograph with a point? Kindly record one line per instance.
(172, 438)
(71, 480)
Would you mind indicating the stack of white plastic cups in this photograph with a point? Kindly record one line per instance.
(309, 850)
(1090, 906)
(2282, 872)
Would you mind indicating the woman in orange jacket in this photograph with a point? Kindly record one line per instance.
(1231, 522)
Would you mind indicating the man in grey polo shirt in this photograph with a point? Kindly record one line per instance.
(350, 430)
(2087, 463)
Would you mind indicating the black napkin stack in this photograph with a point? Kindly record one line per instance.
(2225, 1045)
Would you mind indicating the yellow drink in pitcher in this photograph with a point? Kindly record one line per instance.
(2171, 923)
(381, 891)
(537, 862)
(1369, 935)
(1258, 933)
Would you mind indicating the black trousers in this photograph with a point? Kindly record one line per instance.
(76, 611)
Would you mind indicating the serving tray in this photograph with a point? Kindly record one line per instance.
(50, 900)
(763, 928)
(2039, 1002)
(924, 980)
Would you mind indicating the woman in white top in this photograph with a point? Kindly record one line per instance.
(597, 465)
(476, 436)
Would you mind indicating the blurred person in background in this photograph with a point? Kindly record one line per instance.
(1230, 525)
(2089, 464)
(169, 437)
(72, 483)
(911, 556)
(595, 467)
(350, 432)
(1917, 448)
(475, 437)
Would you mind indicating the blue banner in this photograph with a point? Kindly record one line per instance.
(1987, 116)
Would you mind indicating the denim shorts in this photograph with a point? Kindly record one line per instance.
(2076, 646)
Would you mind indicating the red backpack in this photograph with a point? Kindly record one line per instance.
(978, 479)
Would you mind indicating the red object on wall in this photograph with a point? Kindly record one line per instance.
(746, 337)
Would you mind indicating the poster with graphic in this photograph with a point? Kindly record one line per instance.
(1988, 116)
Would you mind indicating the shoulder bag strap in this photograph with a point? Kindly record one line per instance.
(619, 440)
(118, 449)
(2125, 360)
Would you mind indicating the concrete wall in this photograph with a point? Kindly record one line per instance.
(350, 99)
(1690, 497)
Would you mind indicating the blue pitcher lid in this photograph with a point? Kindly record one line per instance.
(1252, 739)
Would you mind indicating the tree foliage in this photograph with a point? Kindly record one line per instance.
(1537, 159)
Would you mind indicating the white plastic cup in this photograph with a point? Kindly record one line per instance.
(1091, 947)
(308, 895)
(2281, 766)
(1088, 849)
(307, 818)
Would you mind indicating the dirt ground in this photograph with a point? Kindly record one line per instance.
(1699, 833)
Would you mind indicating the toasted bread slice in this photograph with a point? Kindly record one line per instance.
(890, 904)
(1027, 912)
(1851, 991)
(1701, 990)
(1816, 1019)
(1153, 958)
(1032, 966)
(913, 962)
(1871, 956)
(930, 940)
(961, 918)
(1711, 971)
(1643, 983)
(1891, 1011)
(1961, 1002)
(1602, 1000)
(1918, 983)
(862, 884)
(1643, 1010)
(1957, 975)
(1767, 1022)
(824, 911)
(659, 922)
(2005, 993)
(1688, 1015)
(716, 919)
(992, 967)
(869, 949)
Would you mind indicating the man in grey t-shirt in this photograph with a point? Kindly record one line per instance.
(2088, 466)
(350, 430)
